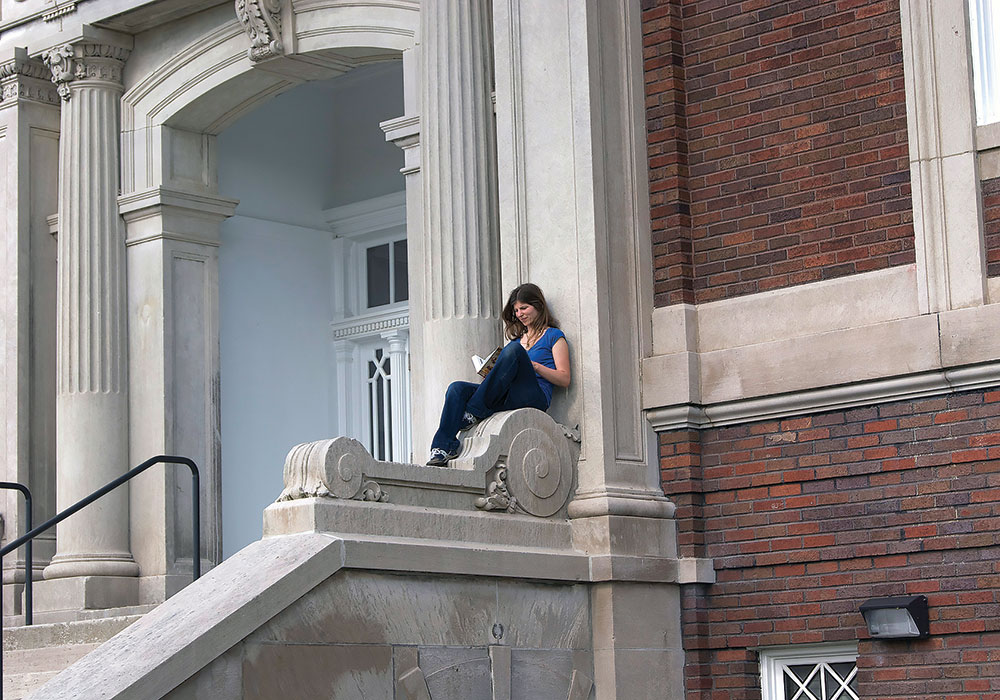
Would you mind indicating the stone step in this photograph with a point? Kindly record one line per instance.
(44, 659)
(76, 632)
(53, 616)
(21, 685)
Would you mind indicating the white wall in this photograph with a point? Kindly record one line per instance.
(312, 148)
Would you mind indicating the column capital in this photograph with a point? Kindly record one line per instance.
(24, 78)
(88, 59)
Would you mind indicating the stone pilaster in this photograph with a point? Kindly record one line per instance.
(29, 147)
(460, 267)
(944, 173)
(92, 358)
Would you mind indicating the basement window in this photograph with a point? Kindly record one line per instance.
(809, 672)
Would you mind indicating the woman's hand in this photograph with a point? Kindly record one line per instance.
(560, 375)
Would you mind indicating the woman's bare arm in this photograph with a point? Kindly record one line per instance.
(560, 375)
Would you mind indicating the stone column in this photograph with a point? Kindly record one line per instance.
(460, 264)
(575, 219)
(91, 376)
(29, 161)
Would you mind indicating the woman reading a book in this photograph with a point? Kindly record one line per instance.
(535, 359)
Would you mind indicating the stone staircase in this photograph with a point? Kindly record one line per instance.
(33, 655)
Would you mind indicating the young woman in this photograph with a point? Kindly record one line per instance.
(535, 359)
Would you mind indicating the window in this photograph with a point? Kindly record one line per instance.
(984, 30)
(821, 672)
(385, 267)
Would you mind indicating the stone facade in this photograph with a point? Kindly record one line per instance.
(768, 230)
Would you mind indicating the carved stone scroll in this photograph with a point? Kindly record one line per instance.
(330, 468)
(528, 462)
(262, 21)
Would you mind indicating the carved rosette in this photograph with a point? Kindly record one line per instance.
(26, 79)
(330, 469)
(262, 21)
(528, 459)
(100, 63)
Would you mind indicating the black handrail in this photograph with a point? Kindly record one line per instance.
(28, 568)
(135, 471)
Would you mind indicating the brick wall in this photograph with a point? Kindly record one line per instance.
(777, 143)
(806, 518)
(991, 225)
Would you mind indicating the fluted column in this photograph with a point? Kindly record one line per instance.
(461, 294)
(91, 364)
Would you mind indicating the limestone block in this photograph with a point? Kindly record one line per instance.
(335, 671)
(220, 680)
(457, 674)
(551, 674)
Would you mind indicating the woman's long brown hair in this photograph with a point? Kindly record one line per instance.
(526, 294)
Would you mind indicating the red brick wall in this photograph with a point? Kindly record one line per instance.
(991, 221)
(777, 143)
(806, 518)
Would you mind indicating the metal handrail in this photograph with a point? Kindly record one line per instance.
(135, 471)
(28, 567)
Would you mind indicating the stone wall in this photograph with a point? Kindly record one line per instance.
(777, 144)
(808, 517)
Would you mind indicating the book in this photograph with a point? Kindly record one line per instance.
(483, 365)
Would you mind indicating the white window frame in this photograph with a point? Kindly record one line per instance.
(357, 330)
(774, 660)
(984, 35)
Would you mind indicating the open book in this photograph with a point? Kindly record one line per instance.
(483, 365)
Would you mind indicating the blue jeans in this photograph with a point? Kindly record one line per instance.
(510, 384)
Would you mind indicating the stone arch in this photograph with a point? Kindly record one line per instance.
(171, 114)
(203, 87)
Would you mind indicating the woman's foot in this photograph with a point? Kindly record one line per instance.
(440, 457)
(468, 420)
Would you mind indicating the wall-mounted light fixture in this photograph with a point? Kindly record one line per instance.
(899, 617)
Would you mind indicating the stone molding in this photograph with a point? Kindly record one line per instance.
(332, 469)
(23, 78)
(90, 61)
(948, 381)
(353, 327)
(375, 214)
(262, 21)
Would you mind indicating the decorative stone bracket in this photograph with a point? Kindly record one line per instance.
(517, 461)
(262, 21)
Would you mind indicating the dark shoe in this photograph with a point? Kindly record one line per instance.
(468, 420)
(440, 457)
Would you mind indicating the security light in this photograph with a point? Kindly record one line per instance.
(899, 617)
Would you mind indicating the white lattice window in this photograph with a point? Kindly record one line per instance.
(370, 397)
(984, 30)
(821, 672)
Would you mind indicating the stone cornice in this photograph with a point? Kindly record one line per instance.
(23, 78)
(920, 385)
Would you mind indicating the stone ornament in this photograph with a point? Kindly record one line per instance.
(262, 21)
(26, 79)
(528, 461)
(98, 62)
(330, 468)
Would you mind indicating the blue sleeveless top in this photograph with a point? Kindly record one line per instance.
(541, 352)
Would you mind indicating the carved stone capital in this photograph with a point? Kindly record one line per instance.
(26, 79)
(88, 61)
(262, 21)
